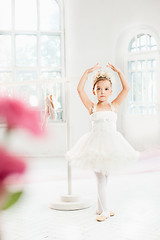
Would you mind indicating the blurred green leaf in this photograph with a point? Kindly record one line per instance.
(12, 199)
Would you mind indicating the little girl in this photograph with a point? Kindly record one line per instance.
(104, 149)
(50, 110)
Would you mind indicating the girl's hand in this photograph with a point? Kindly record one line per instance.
(90, 70)
(115, 69)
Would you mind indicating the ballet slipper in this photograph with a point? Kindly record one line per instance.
(102, 217)
(51, 109)
(47, 111)
(48, 102)
(111, 213)
(53, 113)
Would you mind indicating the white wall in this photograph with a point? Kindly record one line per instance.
(95, 31)
(22, 142)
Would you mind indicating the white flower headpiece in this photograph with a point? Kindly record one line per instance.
(101, 73)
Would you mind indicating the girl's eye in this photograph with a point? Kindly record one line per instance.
(98, 88)
(106, 89)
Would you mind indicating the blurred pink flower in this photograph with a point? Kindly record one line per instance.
(10, 165)
(19, 115)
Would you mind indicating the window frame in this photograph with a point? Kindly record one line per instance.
(143, 55)
(38, 68)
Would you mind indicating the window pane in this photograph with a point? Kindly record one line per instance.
(25, 15)
(5, 15)
(134, 89)
(5, 77)
(50, 50)
(153, 42)
(133, 76)
(23, 90)
(139, 86)
(6, 91)
(29, 93)
(131, 66)
(141, 42)
(144, 90)
(154, 86)
(152, 109)
(142, 109)
(26, 50)
(144, 87)
(151, 86)
(130, 84)
(152, 45)
(49, 75)
(144, 43)
(49, 15)
(132, 45)
(132, 109)
(5, 51)
(151, 64)
(141, 65)
(26, 76)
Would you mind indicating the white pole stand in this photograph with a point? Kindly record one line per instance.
(69, 201)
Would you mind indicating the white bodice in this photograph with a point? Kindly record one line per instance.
(104, 120)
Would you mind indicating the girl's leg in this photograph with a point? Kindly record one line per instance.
(99, 204)
(102, 194)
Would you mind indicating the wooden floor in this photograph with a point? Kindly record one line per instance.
(134, 197)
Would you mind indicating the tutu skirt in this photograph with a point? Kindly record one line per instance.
(103, 151)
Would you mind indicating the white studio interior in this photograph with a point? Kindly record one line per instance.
(45, 47)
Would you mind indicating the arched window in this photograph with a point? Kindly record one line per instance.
(31, 51)
(142, 69)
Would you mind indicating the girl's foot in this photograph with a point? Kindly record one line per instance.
(103, 216)
(111, 213)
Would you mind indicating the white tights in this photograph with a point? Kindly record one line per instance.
(102, 193)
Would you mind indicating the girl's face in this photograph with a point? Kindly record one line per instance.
(102, 90)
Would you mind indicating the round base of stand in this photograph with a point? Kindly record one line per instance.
(71, 202)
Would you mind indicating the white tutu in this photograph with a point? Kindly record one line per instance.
(104, 149)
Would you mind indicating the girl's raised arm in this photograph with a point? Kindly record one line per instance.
(80, 88)
(123, 94)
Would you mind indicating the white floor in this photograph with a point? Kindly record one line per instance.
(133, 197)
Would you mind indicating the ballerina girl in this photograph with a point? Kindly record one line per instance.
(104, 150)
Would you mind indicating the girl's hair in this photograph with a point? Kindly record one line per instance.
(101, 76)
